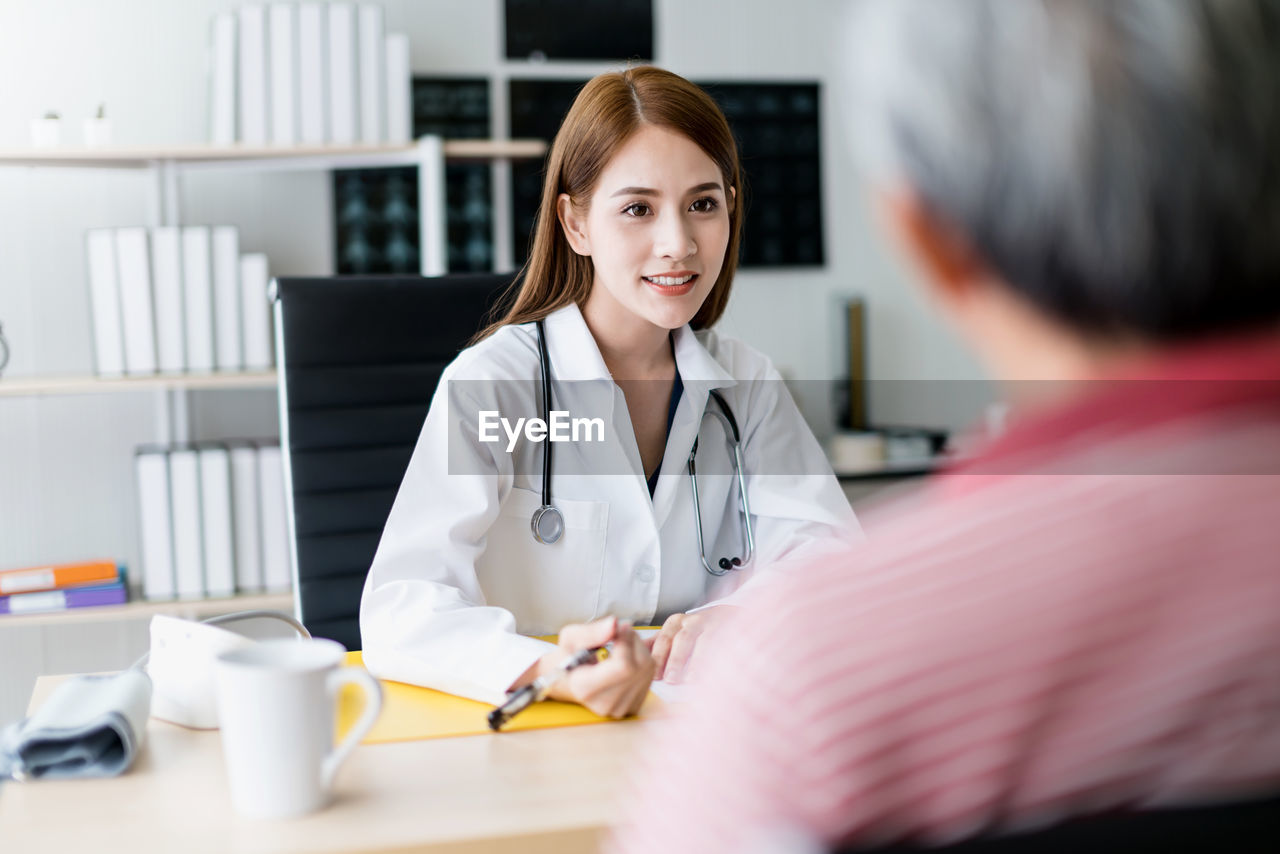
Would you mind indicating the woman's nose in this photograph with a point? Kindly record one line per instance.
(675, 239)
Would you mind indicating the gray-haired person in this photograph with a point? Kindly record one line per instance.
(1085, 616)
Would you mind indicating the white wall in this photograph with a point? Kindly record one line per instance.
(66, 490)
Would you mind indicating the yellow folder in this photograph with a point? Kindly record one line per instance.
(410, 712)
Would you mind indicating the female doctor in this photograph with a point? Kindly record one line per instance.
(499, 534)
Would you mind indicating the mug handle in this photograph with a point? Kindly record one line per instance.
(372, 708)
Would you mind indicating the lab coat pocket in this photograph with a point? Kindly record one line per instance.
(545, 586)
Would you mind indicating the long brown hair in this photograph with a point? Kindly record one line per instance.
(608, 110)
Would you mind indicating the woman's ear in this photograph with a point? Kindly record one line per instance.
(574, 226)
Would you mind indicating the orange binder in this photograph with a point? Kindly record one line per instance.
(37, 578)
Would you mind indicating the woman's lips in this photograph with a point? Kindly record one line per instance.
(680, 284)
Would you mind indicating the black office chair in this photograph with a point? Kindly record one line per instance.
(1242, 828)
(359, 360)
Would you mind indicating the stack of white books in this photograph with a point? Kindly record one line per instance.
(177, 300)
(309, 74)
(213, 518)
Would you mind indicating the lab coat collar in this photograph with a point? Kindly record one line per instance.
(700, 373)
(696, 364)
(574, 354)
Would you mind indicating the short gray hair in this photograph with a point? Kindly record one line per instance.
(1117, 161)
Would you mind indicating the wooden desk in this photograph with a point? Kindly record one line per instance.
(533, 792)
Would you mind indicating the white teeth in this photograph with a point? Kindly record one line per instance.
(669, 280)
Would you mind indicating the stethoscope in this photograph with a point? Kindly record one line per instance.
(548, 525)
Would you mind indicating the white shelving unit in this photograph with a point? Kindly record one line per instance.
(164, 166)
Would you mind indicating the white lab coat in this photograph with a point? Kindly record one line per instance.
(459, 583)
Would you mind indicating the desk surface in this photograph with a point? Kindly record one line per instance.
(553, 790)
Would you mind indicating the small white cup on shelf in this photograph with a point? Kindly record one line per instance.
(46, 132)
(97, 130)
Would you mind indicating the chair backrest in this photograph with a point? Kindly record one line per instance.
(359, 358)
(1251, 827)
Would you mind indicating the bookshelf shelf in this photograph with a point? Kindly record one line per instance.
(41, 386)
(266, 157)
(192, 609)
(890, 470)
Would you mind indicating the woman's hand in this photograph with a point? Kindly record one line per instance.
(673, 646)
(613, 688)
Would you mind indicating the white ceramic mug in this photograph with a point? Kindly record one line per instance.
(276, 703)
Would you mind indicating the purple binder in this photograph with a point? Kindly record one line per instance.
(60, 600)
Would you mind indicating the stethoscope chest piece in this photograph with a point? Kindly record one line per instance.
(547, 525)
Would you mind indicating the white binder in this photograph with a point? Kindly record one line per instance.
(215, 515)
(188, 543)
(104, 296)
(253, 92)
(312, 68)
(228, 347)
(372, 75)
(166, 285)
(342, 73)
(152, 467)
(399, 89)
(277, 574)
(246, 516)
(197, 297)
(222, 99)
(133, 261)
(284, 75)
(256, 309)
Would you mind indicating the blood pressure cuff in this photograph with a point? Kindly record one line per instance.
(91, 726)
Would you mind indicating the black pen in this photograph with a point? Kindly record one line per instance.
(521, 698)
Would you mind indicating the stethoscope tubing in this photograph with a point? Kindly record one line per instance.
(547, 523)
(724, 565)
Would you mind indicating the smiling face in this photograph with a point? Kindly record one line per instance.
(656, 228)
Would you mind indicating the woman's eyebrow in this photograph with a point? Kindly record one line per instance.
(647, 191)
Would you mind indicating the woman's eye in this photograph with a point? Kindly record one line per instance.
(636, 209)
(704, 205)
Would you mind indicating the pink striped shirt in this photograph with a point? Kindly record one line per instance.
(1086, 617)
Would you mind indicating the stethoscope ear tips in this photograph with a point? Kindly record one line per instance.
(725, 563)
